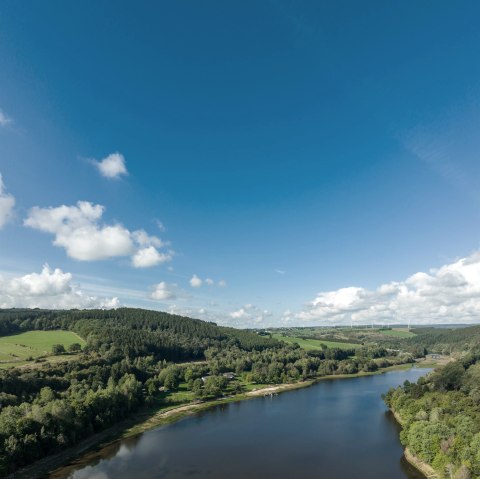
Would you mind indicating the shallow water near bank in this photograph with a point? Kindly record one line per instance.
(338, 428)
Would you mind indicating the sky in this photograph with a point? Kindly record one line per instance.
(254, 163)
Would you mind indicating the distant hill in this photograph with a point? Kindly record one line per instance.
(447, 340)
(133, 332)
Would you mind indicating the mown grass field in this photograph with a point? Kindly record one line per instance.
(17, 349)
(314, 343)
(398, 333)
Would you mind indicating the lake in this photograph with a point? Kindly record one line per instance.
(338, 428)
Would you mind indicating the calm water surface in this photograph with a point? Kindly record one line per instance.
(335, 429)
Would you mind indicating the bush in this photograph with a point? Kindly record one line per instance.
(58, 349)
(74, 348)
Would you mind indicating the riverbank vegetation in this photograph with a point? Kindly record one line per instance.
(440, 415)
(132, 360)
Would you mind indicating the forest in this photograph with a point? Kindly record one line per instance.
(440, 416)
(130, 359)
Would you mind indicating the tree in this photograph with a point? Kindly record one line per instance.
(214, 385)
(170, 382)
(74, 348)
(449, 377)
(197, 387)
(58, 349)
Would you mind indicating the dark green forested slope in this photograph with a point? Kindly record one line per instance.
(440, 415)
(133, 332)
(440, 340)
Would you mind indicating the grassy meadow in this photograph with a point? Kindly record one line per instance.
(398, 333)
(314, 343)
(18, 349)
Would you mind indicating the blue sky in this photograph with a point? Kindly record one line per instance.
(305, 155)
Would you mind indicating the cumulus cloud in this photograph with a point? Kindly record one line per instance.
(7, 202)
(112, 166)
(4, 119)
(450, 294)
(206, 314)
(48, 289)
(240, 313)
(250, 316)
(162, 292)
(144, 239)
(195, 281)
(149, 256)
(247, 316)
(79, 230)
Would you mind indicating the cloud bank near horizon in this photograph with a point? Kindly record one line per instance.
(449, 294)
(49, 289)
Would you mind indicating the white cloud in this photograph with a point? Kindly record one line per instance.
(7, 202)
(450, 294)
(249, 316)
(280, 271)
(162, 292)
(144, 239)
(195, 281)
(149, 256)
(239, 314)
(195, 312)
(49, 289)
(78, 229)
(113, 166)
(4, 119)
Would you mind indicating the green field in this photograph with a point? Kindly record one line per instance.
(398, 333)
(18, 348)
(314, 343)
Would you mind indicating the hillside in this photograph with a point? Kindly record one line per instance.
(134, 332)
(440, 416)
(446, 340)
(418, 341)
(136, 360)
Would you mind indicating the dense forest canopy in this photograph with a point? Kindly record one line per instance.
(445, 340)
(440, 415)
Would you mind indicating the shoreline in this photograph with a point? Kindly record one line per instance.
(149, 419)
(421, 466)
